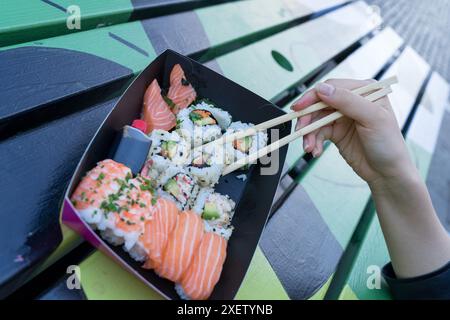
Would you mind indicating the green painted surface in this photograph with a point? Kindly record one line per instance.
(420, 157)
(373, 252)
(306, 47)
(320, 294)
(348, 294)
(22, 20)
(103, 279)
(338, 193)
(100, 43)
(261, 282)
(70, 241)
(223, 23)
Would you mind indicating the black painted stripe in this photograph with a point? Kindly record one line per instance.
(300, 247)
(54, 74)
(55, 5)
(128, 44)
(416, 104)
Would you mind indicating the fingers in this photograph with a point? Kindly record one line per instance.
(310, 140)
(308, 98)
(348, 103)
(337, 94)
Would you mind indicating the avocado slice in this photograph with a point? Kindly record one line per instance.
(243, 144)
(171, 186)
(210, 211)
(202, 117)
(168, 149)
(206, 121)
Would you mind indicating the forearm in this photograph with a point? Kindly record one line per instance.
(416, 240)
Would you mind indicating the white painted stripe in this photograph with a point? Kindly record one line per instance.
(424, 130)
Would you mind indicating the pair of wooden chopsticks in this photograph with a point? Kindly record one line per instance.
(373, 92)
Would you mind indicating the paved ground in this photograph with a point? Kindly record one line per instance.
(424, 24)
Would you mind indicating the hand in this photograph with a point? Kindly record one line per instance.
(369, 139)
(368, 136)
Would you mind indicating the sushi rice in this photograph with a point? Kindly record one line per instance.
(217, 210)
(170, 146)
(177, 185)
(247, 145)
(191, 124)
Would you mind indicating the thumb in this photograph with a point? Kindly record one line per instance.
(348, 103)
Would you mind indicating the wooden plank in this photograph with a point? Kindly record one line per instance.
(427, 120)
(380, 49)
(96, 58)
(23, 20)
(305, 48)
(317, 233)
(44, 159)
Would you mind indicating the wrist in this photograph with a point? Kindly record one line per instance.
(406, 181)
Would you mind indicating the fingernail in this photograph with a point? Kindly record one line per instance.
(305, 146)
(325, 89)
(315, 153)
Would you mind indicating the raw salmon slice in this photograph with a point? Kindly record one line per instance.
(157, 231)
(156, 113)
(182, 245)
(203, 273)
(181, 92)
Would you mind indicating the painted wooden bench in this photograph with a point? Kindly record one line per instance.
(74, 78)
(114, 55)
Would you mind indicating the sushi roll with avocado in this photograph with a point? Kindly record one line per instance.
(168, 149)
(178, 186)
(170, 146)
(216, 210)
(247, 145)
(202, 123)
(207, 163)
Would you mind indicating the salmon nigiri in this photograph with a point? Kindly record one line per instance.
(181, 92)
(182, 245)
(156, 113)
(203, 273)
(157, 231)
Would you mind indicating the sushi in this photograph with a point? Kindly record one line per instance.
(216, 210)
(125, 213)
(156, 232)
(181, 246)
(169, 217)
(156, 112)
(204, 271)
(169, 146)
(246, 145)
(181, 93)
(178, 186)
(96, 186)
(202, 123)
(207, 163)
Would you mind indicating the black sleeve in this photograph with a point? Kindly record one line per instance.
(434, 285)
